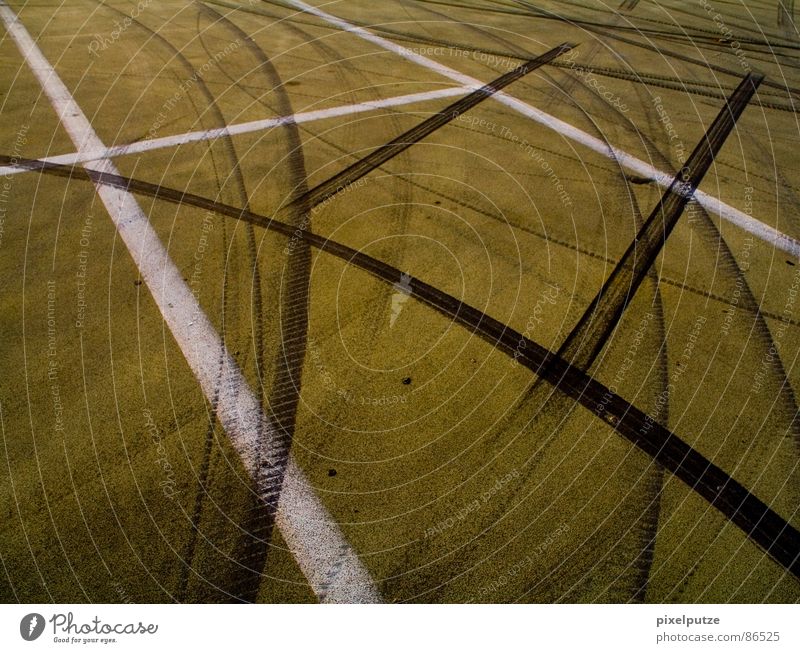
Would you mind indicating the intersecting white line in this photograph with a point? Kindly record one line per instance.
(244, 128)
(715, 205)
(334, 571)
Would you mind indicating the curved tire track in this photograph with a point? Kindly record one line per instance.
(230, 307)
(284, 395)
(554, 405)
(759, 522)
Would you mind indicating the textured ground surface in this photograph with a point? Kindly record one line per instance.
(450, 478)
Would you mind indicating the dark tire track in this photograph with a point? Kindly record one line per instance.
(726, 262)
(385, 153)
(592, 331)
(553, 408)
(650, 479)
(711, 235)
(554, 405)
(284, 395)
(229, 307)
(295, 204)
(647, 524)
(414, 38)
(786, 20)
(621, 285)
(704, 36)
(662, 81)
(709, 232)
(401, 195)
(666, 81)
(550, 238)
(759, 522)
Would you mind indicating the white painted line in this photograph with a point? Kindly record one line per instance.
(333, 570)
(244, 128)
(709, 202)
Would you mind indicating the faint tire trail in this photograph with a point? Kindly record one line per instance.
(647, 525)
(229, 306)
(761, 523)
(370, 317)
(284, 394)
(713, 240)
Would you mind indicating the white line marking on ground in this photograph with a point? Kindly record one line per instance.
(333, 570)
(244, 128)
(743, 220)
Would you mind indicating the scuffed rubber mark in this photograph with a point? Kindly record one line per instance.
(757, 520)
(384, 153)
(618, 290)
(284, 394)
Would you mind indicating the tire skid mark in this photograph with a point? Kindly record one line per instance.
(645, 526)
(197, 510)
(702, 89)
(713, 238)
(612, 299)
(292, 23)
(596, 27)
(725, 211)
(705, 37)
(732, 21)
(670, 53)
(370, 324)
(465, 553)
(306, 525)
(726, 262)
(330, 54)
(786, 20)
(663, 81)
(384, 153)
(722, 43)
(592, 331)
(688, 87)
(649, 519)
(284, 394)
(700, 34)
(554, 404)
(246, 573)
(228, 306)
(694, 28)
(753, 310)
(758, 521)
(549, 237)
(628, 5)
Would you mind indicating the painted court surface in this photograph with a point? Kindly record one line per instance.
(240, 390)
